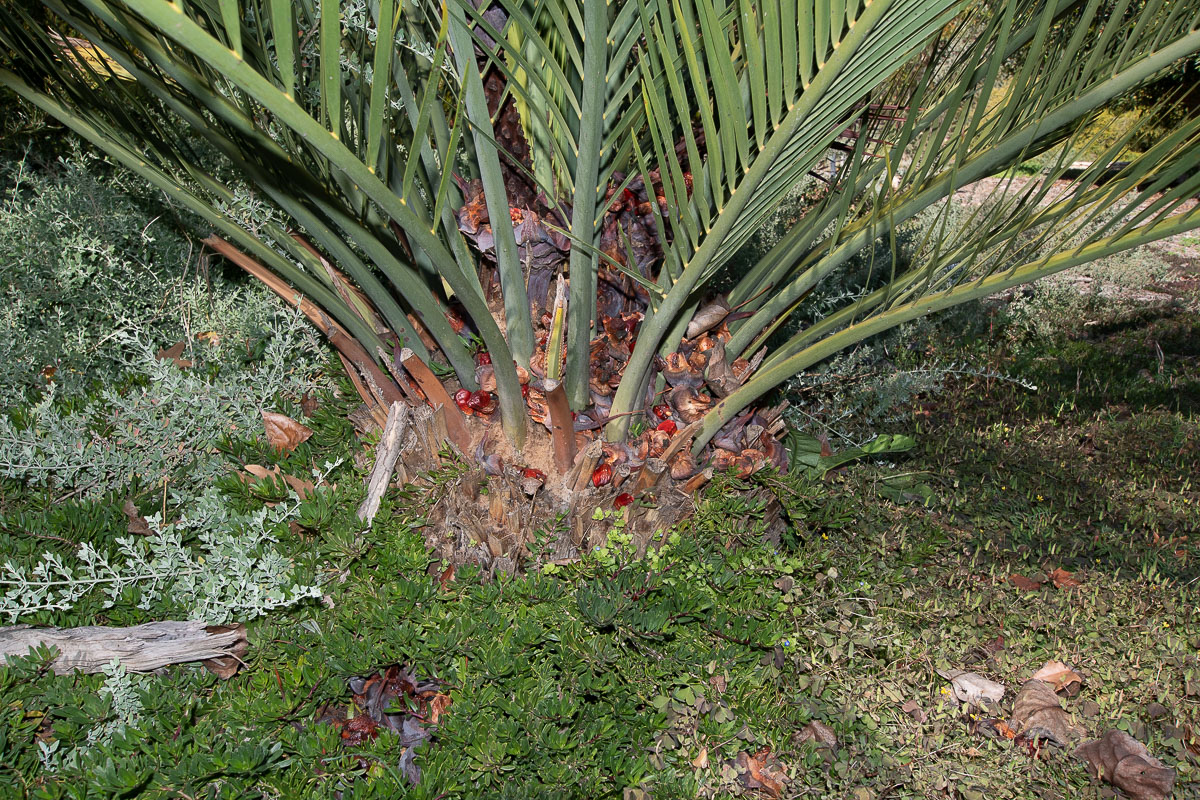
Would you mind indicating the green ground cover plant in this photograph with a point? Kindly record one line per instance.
(590, 678)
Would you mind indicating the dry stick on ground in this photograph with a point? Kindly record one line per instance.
(142, 648)
(386, 454)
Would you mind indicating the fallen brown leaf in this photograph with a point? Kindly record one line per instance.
(302, 488)
(309, 404)
(971, 688)
(1126, 763)
(1037, 715)
(137, 523)
(438, 706)
(761, 772)
(259, 472)
(819, 732)
(701, 760)
(1023, 583)
(283, 432)
(990, 727)
(173, 353)
(225, 667)
(1058, 675)
(913, 709)
(1063, 579)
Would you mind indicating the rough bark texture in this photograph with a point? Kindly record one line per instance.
(142, 648)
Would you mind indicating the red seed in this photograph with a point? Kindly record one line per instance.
(602, 475)
(536, 474)
(525, 390)
(622, 500)
(462, 399)
(482, 402)
(663, 411)
(483, 358)
(668, 427)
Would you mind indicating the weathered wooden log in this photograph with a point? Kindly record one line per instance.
(141, 648)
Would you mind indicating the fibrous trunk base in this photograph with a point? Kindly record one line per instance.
(502, 518)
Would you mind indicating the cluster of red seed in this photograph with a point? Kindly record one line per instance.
(479, 402)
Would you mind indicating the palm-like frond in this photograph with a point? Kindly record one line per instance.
(363, 123)
(292, 122)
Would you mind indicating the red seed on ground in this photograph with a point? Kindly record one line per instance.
(462, 399)
(602, 475)
(622, 500)
(668, 427)
(662, 411)
(482, 401)
(535, 474)
(483, 358)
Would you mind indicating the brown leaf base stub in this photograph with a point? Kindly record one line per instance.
(498, 509)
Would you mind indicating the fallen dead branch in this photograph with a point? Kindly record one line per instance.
(141, 648)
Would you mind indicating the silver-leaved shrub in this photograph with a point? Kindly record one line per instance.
(233, 570)
(163, 428)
